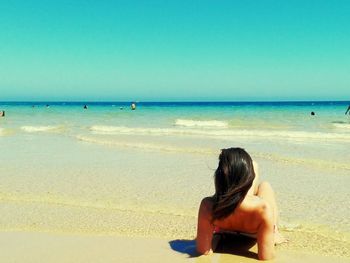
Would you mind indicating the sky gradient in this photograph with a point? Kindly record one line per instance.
(174, 50)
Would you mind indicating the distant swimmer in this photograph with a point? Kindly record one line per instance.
(121, 108)
(85, 107)
(312, 113)
(348, 110)
(47, 106)
(133, 106)
(2, 113)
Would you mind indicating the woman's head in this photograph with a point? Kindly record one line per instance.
(233, 178)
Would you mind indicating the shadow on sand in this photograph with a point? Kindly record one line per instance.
(223, 243)
(185, 247)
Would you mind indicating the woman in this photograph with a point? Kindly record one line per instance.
(239, 204)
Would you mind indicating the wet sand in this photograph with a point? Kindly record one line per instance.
(42, 247)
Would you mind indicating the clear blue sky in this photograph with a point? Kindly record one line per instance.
(175, 50)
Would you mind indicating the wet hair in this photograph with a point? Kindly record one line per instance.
(233, 179)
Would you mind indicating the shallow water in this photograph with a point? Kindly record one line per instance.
(110, 171)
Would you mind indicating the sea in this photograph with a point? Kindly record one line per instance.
(109, 170)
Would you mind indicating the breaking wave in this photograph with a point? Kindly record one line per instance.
(221, 133)
(146, 146)
(32, 129)
(196, 123)
(341, 125)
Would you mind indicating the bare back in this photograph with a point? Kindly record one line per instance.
(252, 216)
(246, 217)
(257, 214)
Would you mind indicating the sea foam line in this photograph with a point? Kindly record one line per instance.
(316, 163)
(227, 134)
(342, 125)
(32, 129)
(198, 123)
(146, 146)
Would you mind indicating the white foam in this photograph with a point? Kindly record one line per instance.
(146, 146)
(342, 125)
(40, 128)
(228, 134)
(196, 123)
(130, 131)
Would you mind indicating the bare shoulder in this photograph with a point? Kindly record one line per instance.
(255, 205)
(206, 205)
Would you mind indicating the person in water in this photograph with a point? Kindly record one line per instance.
(239, 204)
(348, 110)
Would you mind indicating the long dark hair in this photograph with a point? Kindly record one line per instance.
(233, 178)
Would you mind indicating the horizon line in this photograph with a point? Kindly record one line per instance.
(163, 101)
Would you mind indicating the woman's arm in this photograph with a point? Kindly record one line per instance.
(265, 238)
(205, 228)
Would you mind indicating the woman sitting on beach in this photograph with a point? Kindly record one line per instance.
(239, 205)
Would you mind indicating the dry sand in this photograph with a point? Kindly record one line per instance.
(51, 248)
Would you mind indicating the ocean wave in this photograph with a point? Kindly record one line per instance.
(197, 123)
(227, 134)
(32, 129)
(315, 163)
(292, 135)
(146, 146)
(341, 125)
(97, 129)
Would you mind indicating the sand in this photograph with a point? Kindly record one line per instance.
(44, 247)
(76, 195)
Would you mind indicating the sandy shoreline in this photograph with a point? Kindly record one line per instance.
(114, 202)
(44, 247)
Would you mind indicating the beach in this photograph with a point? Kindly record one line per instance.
(107, 184)
(38, 247)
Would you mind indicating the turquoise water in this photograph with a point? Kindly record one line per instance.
(111, 170)
(281, 116)
(281, 130)
(266, 124)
